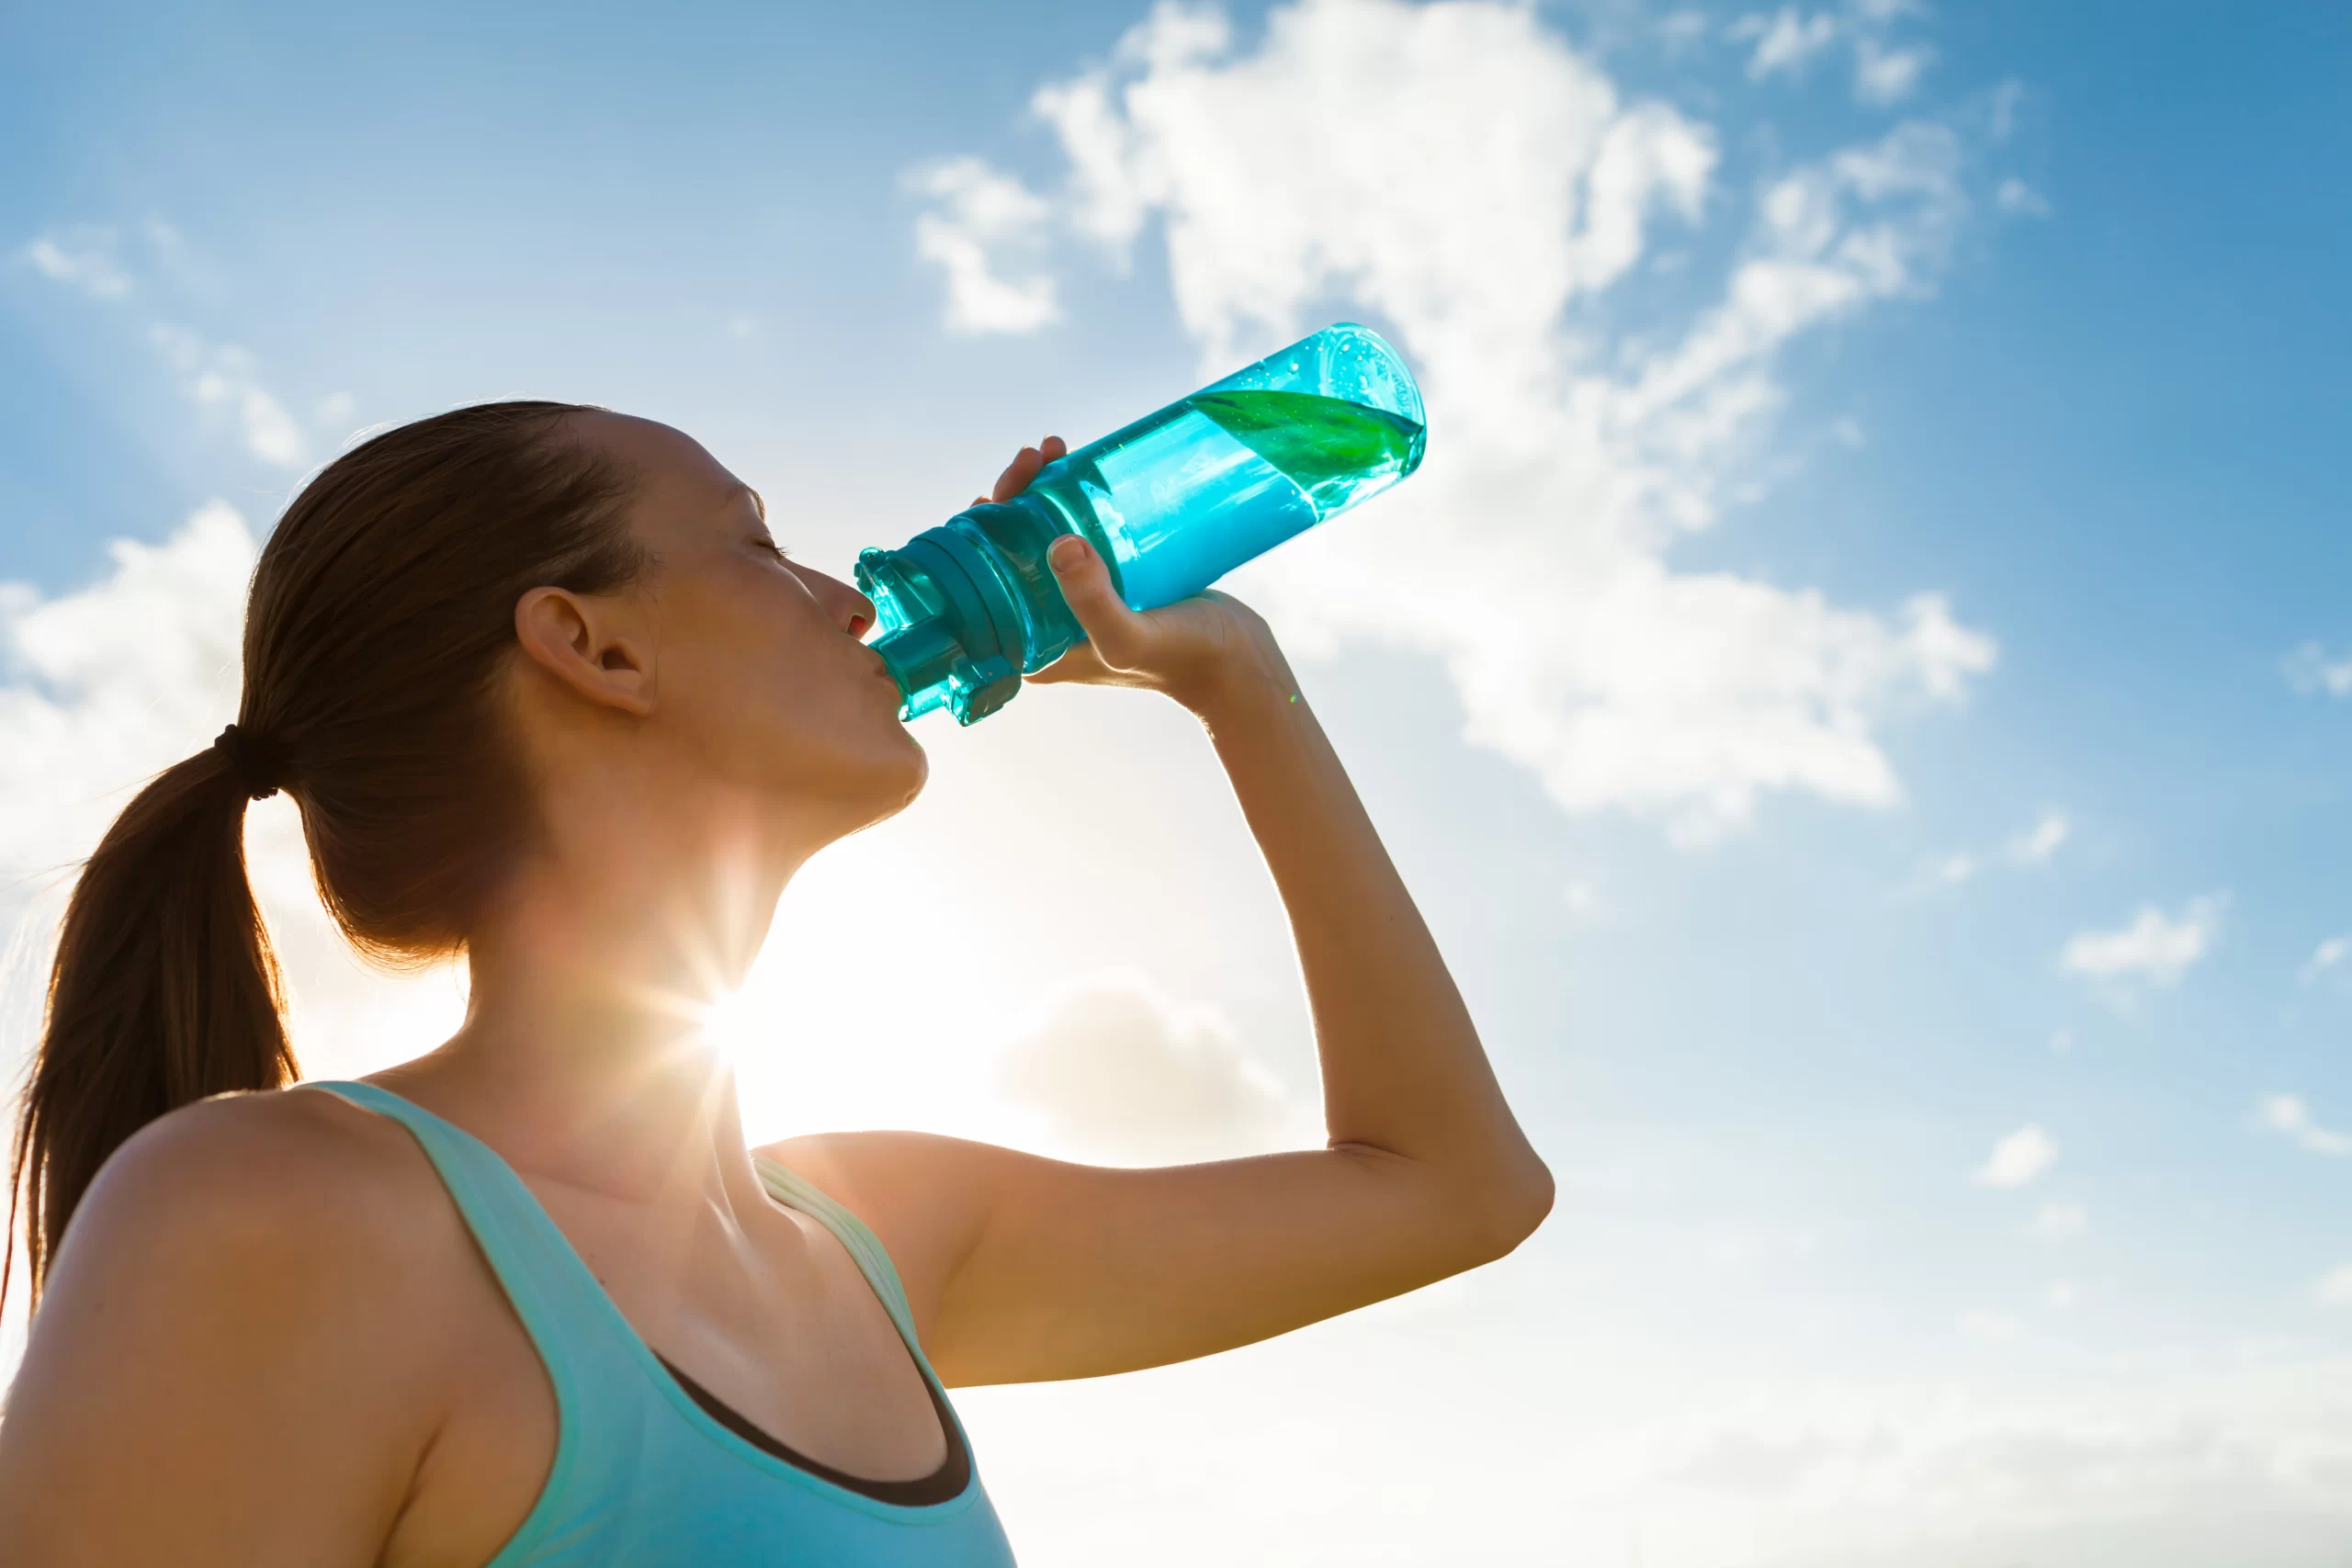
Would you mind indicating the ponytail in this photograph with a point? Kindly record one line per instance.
(164, 991)
(380, 616)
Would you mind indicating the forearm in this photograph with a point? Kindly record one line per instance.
(1403, 1070)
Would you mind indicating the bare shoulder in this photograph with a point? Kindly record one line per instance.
(280, 1229)
(250, 1338)
(298, 1179)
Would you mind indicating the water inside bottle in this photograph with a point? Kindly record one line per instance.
(1222, 477)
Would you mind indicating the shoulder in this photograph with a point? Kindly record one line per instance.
(298, 1175)
(258, 1313)
(287, 1226)
(267, 1235)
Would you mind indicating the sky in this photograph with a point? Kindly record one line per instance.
(1861, 687)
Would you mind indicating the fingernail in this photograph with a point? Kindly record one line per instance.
(1066, 553)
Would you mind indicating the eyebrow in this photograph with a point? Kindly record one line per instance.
(758, 501)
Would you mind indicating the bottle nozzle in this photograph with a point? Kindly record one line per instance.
(939, 640)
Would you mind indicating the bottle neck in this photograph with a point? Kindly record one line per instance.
(955, 636)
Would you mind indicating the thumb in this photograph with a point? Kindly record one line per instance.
(1117, 633)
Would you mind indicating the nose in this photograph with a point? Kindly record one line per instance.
(850, 610)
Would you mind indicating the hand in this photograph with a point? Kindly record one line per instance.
(1205, 651)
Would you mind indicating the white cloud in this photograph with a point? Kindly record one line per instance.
(2030, 847)
(2288, 1115)
(2155, 947)
(1582, 896)
(2001, 110)
(1937, 873)
(1787, 41)
(2017, 1160)
(1122, 1072)
(2059, 1222)
(1477, 186)
(2088, 1456)
(1883, 75)
(334, 412)
(2144, 1465)
(222, 376)
(2014, 196)
(1683, 30)
(980, 219)
(1784, 40)
(2062, 1294)
(2042, 841)
(114, 682)
(83, 256)
(2335, 1286)
(2324, 957)
(2309, 670)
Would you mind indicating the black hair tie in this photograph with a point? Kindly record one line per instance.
(256, 763)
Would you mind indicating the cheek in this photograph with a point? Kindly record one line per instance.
(728, 651)
(769, 685)
(761, 689)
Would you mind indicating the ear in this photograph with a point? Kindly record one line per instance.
(594, 645)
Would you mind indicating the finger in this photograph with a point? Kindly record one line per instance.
(1053, 448)
(1117, 633)
(1017, 474)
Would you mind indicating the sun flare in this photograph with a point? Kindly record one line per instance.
(837, 1027)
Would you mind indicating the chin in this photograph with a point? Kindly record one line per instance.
(914, 772)
(890, 783)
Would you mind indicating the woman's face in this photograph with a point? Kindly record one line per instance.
(762, 682)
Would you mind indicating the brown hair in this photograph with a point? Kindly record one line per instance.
(380, 615)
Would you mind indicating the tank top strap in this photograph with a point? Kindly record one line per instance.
(873, 1260)
(865, 1248)
(584, 1344)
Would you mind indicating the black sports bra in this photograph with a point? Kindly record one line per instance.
(948, 1482)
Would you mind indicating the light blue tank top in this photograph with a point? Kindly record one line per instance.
(644, 1477)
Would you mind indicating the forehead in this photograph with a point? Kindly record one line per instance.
(679, 488)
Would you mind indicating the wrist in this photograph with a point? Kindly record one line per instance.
(1247, 688)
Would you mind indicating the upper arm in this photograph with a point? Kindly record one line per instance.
(214, 1375)
(1022, 1269)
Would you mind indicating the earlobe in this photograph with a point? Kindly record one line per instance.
(588, 644)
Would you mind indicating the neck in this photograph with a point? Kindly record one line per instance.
(582, 1054)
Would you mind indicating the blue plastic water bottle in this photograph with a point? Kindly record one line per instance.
(1173, 503)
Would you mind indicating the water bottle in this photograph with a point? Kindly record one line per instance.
(1172, 503)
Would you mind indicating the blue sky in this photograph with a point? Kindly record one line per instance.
(1731, 839)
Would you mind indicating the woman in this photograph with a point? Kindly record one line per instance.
(547, 692)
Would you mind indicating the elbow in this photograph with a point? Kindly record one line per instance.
(1515, 1207)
